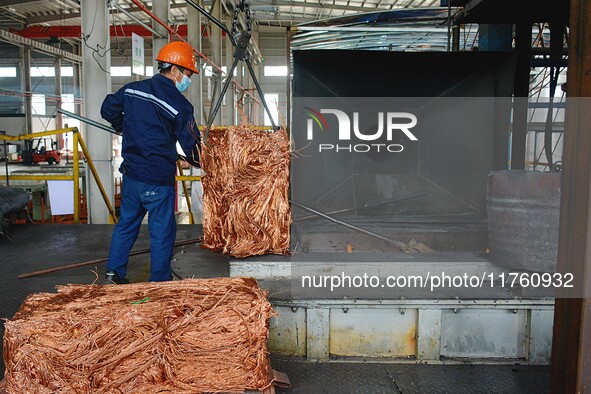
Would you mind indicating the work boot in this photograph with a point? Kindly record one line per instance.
(113, 277)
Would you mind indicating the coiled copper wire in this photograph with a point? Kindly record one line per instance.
(246, 209)
(189, 336)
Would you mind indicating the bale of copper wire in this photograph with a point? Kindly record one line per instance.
(188, 336)
(245, 179)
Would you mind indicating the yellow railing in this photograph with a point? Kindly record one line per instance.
(75, 177)
(183, 179)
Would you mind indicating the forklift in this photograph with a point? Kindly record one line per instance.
(40, 153)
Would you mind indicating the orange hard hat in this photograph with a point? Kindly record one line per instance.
(178, 53)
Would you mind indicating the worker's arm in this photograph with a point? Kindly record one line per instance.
(112, 109)
(188, 136)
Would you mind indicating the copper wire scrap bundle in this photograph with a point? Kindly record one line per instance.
(246, 208)
(189, 336)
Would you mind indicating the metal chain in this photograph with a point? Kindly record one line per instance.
(244, 7)
(234, 30)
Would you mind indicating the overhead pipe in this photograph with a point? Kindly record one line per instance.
(88, 120)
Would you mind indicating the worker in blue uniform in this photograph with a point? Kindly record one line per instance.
(152, 115)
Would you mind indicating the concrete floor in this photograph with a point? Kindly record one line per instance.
(36, 247)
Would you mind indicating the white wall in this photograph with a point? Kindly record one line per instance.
(13, 125)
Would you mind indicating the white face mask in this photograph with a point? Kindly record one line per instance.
(184, 84)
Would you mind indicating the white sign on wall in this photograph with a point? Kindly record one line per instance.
(137, 46)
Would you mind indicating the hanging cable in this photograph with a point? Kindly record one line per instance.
(99, 48)
(120, 46)
(548, 130)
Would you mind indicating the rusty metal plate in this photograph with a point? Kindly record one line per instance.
(373, 332)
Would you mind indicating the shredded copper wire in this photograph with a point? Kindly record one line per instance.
(189, 336)
(246, 209)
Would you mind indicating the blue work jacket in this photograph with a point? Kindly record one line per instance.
(152, 116)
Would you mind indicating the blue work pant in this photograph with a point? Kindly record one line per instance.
(137, 198)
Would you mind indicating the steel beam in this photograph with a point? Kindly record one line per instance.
(130, 15)
(15, 39)
(521, 92)
(314, 5)
(571, 345)
(61, 17)
(10, 3)
(73, 31)
(455, 42)
(495, 37)
(35, 20)
(399, 29)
